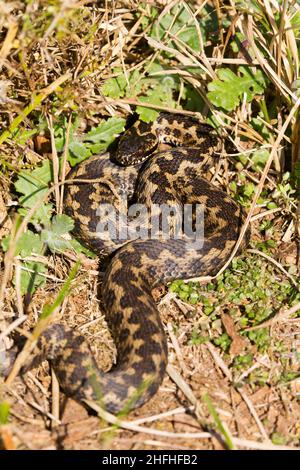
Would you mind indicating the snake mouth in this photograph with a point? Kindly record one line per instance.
(132, 158)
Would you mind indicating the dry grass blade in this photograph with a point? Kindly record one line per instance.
(196, 435)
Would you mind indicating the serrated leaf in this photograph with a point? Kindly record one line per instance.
(34, 184)
(42, 214)
(79, 248)
(106, 132)
(62, 224)
(55, 242)
(161, 95)
(114, 87)
(53, 236)
(78, 152)
(28, 244)
(228, 90)
(179, 22)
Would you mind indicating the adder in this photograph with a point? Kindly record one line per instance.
(136, 173)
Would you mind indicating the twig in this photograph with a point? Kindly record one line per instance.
(176, 347)
(55, 398)
(12, 326)
(55, 162)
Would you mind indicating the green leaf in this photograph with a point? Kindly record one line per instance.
(96, 140)
(114, 87)
(177, 22)
(79, 248)
(180, 23)
(106, 132)
(32, 279)
(28, 243)
(56, 243)
(145, 21)
(260, 127)
(295, 21)
(228, 90)
(162, 95)
(259, 158)
(249, 189)
(62, 224)
(21, 135)
(96, 148)
(53, 236)
(42, 214)
(78, 152)
(33, 185)
(4, 412)
(60, 131)
(193, 101)
(146, 114)
(214, 414)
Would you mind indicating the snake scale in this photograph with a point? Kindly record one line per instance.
(139, 173)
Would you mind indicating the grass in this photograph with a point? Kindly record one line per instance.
(70, 74)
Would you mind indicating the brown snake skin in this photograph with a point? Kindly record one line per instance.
(175, 176)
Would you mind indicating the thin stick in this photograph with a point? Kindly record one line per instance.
(55, 163)
(55, 399)
(64, 164)
(12, 326)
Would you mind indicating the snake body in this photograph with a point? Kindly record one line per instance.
(139, 174)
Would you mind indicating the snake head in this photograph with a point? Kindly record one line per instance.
(136, 144)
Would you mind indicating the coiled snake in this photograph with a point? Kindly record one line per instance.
(172, 178)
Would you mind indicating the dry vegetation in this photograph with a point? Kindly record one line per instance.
(66, 67)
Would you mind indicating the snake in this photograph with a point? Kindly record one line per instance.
(138, 173)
